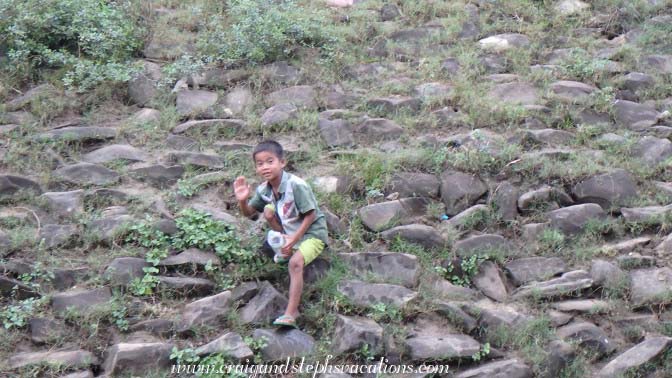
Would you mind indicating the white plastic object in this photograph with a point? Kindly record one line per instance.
(276, 241)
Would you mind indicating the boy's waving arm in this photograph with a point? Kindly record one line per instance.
(242, 190)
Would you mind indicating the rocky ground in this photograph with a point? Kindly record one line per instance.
(495, 177)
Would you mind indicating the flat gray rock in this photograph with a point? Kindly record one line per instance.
(303, 96)
(427, 236)
(137, 358)
(571, 220)
(351, 333)
(490, 281)
(86, 174)
(365, 294)
(267, 305)
(588, 336)
(191, 256)
(512, 368)
(650, 286)
(115, 152)
(441, 346)
(609, 189)
(230, 344)
(197, 159)
(187, 286)
(123, 270)
(208, 311)
(210, 126)
(66, 358)
(635, 357)
(392, 267)
(530, 269)
(79, 134)
(282, 343)
(460, 191)
(385, 215)
(568, 283)
(80, 300)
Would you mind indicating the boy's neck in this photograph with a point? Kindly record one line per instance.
(275, 183)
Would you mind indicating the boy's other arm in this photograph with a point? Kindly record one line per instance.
(308, 219)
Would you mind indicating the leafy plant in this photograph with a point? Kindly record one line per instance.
(263, 30)
(17, 315)
(468, 267)
(92, 41)
(483, 351)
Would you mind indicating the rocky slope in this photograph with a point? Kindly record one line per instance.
(495, 175)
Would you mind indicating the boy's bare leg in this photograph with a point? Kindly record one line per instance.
(295, 284)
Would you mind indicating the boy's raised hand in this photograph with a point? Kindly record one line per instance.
(241, 188)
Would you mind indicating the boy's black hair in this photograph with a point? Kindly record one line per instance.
(269, 146)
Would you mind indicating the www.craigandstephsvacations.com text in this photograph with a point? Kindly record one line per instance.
(295, 366)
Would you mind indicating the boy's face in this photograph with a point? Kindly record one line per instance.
(268, 165)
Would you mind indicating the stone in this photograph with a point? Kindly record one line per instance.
(589, 336)
(83, 174)
(217, 126)
(652, 215)
(81, 374)
(145, 116)
(549, 136)
(530, 269)
(514, 94)
(189, 257)
(384, 215)
(453, 312)
(568, 283)
(65, 204)
(572, 91)
(45, 330)
(283, 343)
(500, 317)
(158, 327)
(634, 116)
(66, 278)
(570, 7)
(641, 354)
(469, 217)
(610, 189)
(115, 152)
(395, 105)
(159, 176)
(389, 12)
(302, 96)
(137, 358)
(560, 356)
(414, 184)
(460, 191)
(571, 220)
(608, 275)
(80, 300)
(11, 186)
(652, 150)
(544, 195)
(230, 344)
(512, 368)
(29, 96)
(635, 81)
(336, 133)
(434, 91)
(196, 103)
(64, 358)
(490, 282)
(267, 305)
(197, 159)
(441, 346)
(658, 63)
(22, 291)
(123, 270)
(584, 306)
(281, 72)
(239, 100)
(479, 244)
(179, 142)
(650, 286)
(391, 267)
(209, 311)
(365, 294)
(504, 200)
(353, 332)
(222, 78)
(377, 129)
(187, 286)
(502, 42)
(447, 291)
(279, 114)
(421, 234)
(143, 86)
(58, 235)
(79, 134)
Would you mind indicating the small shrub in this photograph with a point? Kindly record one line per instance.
(17, 315)
(90, 41)
(260, 31)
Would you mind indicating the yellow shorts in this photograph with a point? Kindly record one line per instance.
(310, 249)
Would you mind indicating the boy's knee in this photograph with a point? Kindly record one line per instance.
(296, 262)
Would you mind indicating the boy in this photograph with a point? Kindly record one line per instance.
(290, 207)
